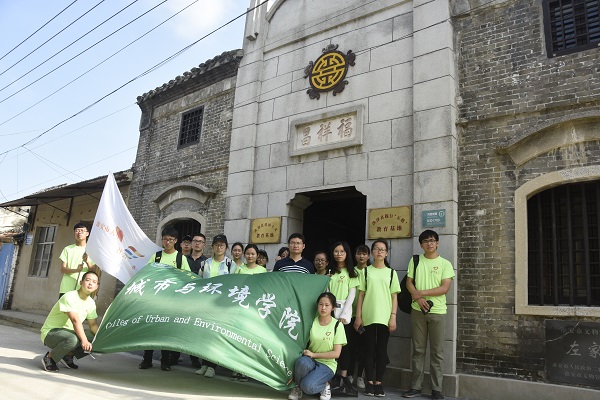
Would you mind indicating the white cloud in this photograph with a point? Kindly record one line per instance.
(204, 16)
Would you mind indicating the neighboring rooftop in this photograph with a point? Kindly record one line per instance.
(214, 63)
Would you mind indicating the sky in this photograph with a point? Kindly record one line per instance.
(37, 149)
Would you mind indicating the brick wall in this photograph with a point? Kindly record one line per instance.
(508, 86)
(160, 164)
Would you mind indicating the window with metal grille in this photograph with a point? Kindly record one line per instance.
(44, 244)
(191, 127)
(186, 227)
(564, 246)
(571, 25)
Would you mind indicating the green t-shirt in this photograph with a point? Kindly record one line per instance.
(322, 339)
(58, 317)
(171, 259)
(430, 273)
(259, 269)
(377, 304)
(359, 272)
(341, 283)
(73, 256)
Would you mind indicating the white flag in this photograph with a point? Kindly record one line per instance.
(117, 244)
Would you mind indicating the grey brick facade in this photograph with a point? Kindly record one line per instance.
(522, 118)
(172, 183)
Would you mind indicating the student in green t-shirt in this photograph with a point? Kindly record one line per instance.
(251, 267)
(376, 311)
(343, 284)
(428, 286)
(317, 365)
(63, 329)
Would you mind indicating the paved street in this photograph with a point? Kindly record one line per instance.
(112, 376)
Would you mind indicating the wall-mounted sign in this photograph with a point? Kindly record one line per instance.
(327, 131)
(433, 218)
(265, 230)
(390, 223)
(329, 71)
(573, 352)
(28, 239)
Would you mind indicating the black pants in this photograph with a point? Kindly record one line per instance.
(165, 356)
(356, 344)
(376, 359)
(345, 356)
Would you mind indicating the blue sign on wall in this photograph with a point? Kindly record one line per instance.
(433, 218)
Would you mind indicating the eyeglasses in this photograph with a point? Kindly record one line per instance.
(379, 250)
(295, 243)
(198, 241)
(429, 241)
(168, 240)
(219, 245)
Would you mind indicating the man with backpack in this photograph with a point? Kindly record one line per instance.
(168, 256)
(428, 318)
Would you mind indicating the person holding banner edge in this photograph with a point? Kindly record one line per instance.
(317, 365)
(75, 261)
(63, 328)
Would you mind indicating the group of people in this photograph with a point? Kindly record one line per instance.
(348, 336)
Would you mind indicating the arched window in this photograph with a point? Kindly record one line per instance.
(563, 236)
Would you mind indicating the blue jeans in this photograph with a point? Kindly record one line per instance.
(310, 375)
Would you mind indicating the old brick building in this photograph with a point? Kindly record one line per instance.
(180, 172)
(528, 182)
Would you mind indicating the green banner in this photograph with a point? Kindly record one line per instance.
(257, 325)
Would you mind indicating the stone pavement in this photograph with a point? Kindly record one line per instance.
(111, 376)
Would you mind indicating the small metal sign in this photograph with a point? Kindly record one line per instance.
(433, 218)
(28, 239)
(573, 352)
(390, 223)
(265, 230)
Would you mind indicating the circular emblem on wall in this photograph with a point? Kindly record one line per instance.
(329, 71)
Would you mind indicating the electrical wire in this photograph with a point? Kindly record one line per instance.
(97, 65)
(56, 34)
(151, 69)
(37, 30)
(63, 49)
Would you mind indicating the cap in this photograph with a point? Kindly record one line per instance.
(220, 238)
(186, 237)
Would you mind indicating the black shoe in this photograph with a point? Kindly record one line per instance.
(436, 394)
(336, 382)
(165, 367)
(67, 361)
(145, 364)
(369, 390)
(379, 390)
(49, 364)
(412, 393)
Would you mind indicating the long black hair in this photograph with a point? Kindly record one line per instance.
(349, 264)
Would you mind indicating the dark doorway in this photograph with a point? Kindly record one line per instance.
(185, 227)
(334, 215)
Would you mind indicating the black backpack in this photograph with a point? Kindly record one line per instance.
(178, 258)
(404, 298)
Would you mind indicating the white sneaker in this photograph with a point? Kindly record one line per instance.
(295, 394)
(210, 373)
(360, 382)
(202, 370)
(326, 393)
